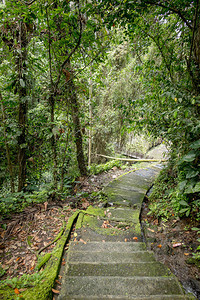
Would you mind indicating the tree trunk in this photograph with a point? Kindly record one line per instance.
(77, 129)
(10, 167)
(22, 140)
(22, 89)
(53, 143)
(90, 121)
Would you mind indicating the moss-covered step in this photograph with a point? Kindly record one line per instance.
(94, 229)
(155, 297)
(119, 286)
(122, 247)
(115, 257)
(122, 197)
(148, 269)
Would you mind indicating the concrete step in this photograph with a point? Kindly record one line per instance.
(124, 286)
(150, 269)
(101, 297)
(110, 234)
(115, 257)
(122, 247)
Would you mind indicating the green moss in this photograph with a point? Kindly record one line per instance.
(95, 211)
(42, 260)
(42, 290)
(96, 225)
(80, 220)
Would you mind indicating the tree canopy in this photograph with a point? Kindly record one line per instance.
(80, 78)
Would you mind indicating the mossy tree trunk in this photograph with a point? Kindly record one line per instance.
(77, 128)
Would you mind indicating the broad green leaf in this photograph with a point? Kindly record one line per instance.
(189, 157)
(175, 114)
(192, 174)
(184, 203)
(22, 83)
(182, 185)
(197, 188)
(195, 145)
(184, 210)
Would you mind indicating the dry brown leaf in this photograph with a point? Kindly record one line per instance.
(177, 245)
(150, 229)
(17, 291)
(45, 205)
(81, 240)
(55, 291)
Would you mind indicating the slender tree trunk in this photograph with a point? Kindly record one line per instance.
(53, 143)
(10, 167)
(77, 129)
(22, 141)
(65, 155)
(90, 121)
(23, 103)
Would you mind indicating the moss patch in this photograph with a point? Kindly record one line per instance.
(42, 290)
(111, 228)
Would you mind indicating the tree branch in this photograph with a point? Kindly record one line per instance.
(174, 10)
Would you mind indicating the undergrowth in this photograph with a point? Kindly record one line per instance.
(167, 200)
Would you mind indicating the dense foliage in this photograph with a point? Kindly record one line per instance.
(80, 78)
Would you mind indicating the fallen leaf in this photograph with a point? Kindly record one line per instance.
(150, 229)
(177, 245)
(17, 291)
(81, 240)
(55, 291)
(58, 282)
(22, 290)
(45, 205)
(75, 234)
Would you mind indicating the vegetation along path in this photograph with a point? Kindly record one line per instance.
(107, 258)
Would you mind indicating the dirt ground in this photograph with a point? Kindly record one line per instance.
(173, 243)
(24, 235)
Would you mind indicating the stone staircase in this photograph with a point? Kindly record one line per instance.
(107, 258)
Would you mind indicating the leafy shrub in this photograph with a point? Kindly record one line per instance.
(24, 281)
(16, 202)
(96, 169)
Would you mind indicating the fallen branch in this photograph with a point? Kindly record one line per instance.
(133, 160)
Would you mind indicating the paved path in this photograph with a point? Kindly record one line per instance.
(108, 259)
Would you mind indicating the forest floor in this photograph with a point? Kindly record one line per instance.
(25, 234)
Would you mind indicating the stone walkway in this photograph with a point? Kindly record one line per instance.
(107, 258)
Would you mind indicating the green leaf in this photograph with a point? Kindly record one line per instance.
(184, 210)
(22, 83)
(195, 145)
(192, 174)
(196, 189)
(182, 185)
(184, 203)
(175, 114)
(189, 157)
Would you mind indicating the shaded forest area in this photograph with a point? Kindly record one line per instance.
(82, 78)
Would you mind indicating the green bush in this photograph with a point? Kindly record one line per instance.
(97, 169)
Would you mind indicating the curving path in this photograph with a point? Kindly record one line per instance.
(107, 258)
